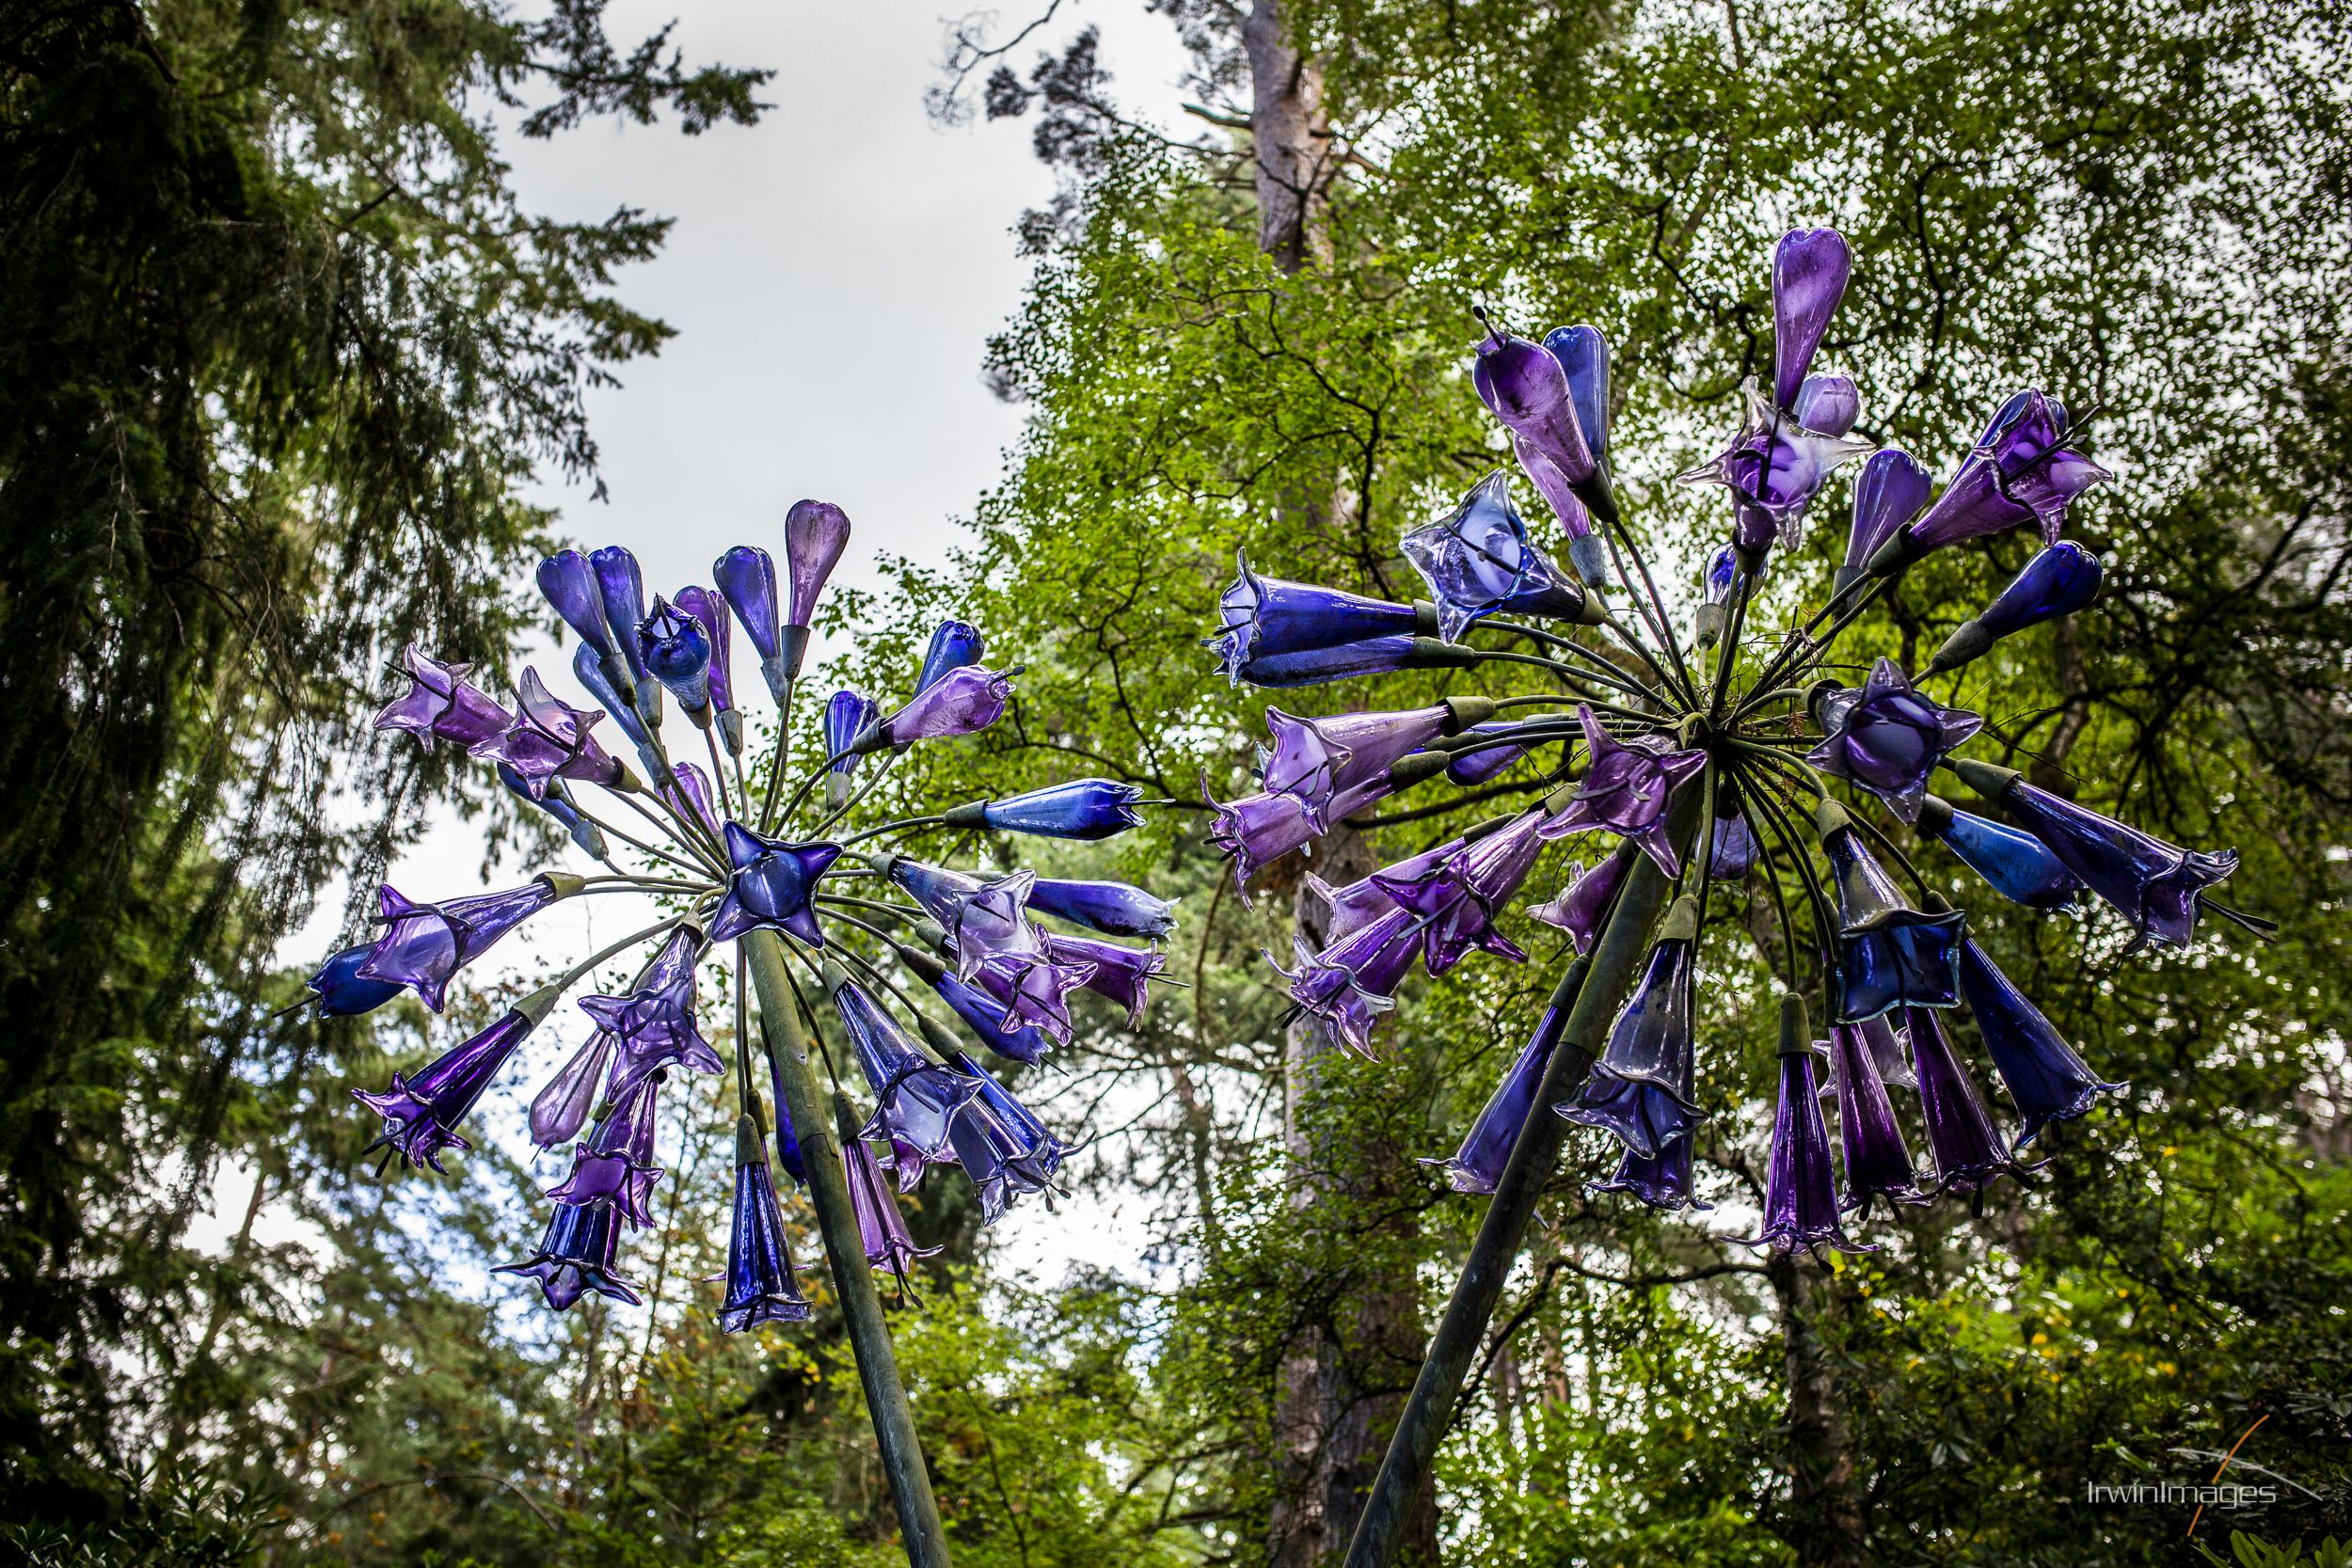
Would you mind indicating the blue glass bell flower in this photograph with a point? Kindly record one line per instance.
(1459, 898)
(985, 1017)
(621, 586)
(1662, 1181)
(2017, 864)
(1377, 655)
(746, 576)
(1586, 557)
(961, 702)
(1731, 850)
(424, 945)
(2021, 474)
(686, 791)
(998, 949)
(1801, 1182)
(653, 1023)
(1527, 389)
(954, 645)
(1478, 561)
(1773, 468)
(760, 1287)
(1346, 985)
(1003, 1149)
(770, 884)
(1041, 1153)
(1271, 625)
(1625, 790)
(1877, 1164)
(1641, 1089)
(1887, 736)
(881, 1229)
(675, 649)
(549, 739)
(1114, 909)
(577, 1256)
(1319, 762)
(1581, 905)
(2159, 887)
(1469, 769)
(616, 1165)
(569, 584)
(1477, 1166)
(847, 715)
(561, 1108)
(710, 613)
(2044, 1075)
(914, 1096)
(1584, 355)
(441, 705)
(2060, 579)
(1258, 830)
(1891, 490)
(1829, 405)
(815, 536)
(422, 1110)
(1889, 953)
(1715, 586)
(342, 992)
(1082, 809)
(788, 1136)
(591, 673)
(1114, 972)
(1356, 904)
(1963, 1139)
(1810, 270)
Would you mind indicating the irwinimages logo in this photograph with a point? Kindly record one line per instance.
(2213, 1492)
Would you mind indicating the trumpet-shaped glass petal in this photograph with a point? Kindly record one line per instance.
(1478, 561)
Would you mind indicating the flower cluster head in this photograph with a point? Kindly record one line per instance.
(739, 860)
(1699, 760)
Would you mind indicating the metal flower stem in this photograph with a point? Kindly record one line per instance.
(854, 1277)
(1599, 986)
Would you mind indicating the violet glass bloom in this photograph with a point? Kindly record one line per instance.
(1526, 388)
(1731, 848)
(569, 584)
(616, 1165)
(1360, 902)
(1322, 761)
(954, 645)
(1459, 897)
(653, 1024)
(770, 884)
(1258, 830)
(815, 534)
(1117, 972)
(675, 649)
(961, 702)
(846, 716)
(1585, 551)
(441, 703)
(421, 1111)
(1810, 268)
(1085, 809)
(590, 671)
(2044, 1076)
(1890, 493)
(881, 1229)
(550, 739)
(1890, 955)
(1113, 908)
(1625, 790)
(342, 992)
(1475, 768)
(561, 1109)
(760, 1287)
(1349, 984)
(1266, 619)
(985, 1017)
(1660, 1181)
(1800, 1191)
(1968, 1148)
(1887, 737)
(1827, 404)
(1041, 1153)
(2059, 581)
(577, 1256)
(1773, 468)
(1580, 909)
(913, 1098)
(1641, 1089)
(622, 587)
(1887, 1050)
(746, 576)
(1876, 1162)
(1584, 355)
(2159, 887)
(2020, 475)
(710, 613)
(1377, 655)
(1478, 560)
(2019, 868)
(687, 792)
(426, 944)
(1477, 1166)
(1003, 1149)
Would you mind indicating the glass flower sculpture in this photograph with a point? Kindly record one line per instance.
(746, 866)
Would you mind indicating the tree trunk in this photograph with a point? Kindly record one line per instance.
(1292, 140)
(1825, 1508)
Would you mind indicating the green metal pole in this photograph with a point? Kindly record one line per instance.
(852, 1276)
(1600, 986)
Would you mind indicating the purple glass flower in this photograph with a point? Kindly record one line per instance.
(1773, 468)
(616, 1165)
(1661, 1180)
(1526, 388)
(1258, 830)
(570, 585)
(1585, 551)
(1887, 737)
(914, 1096)
(815, 534)
(881, 1229)
(426, 944)
(421, 1113)
(1113, 908)
(2059, 581)
(1580, 908)
(770, 884)
(760, 1287)
(549, 739)
(1887, 1051)
(985, 1017)
(1801, 1189)
(1731, 850)
(561, 1109)
(954, 645)
(2018, 865)
(1890, 493)
(1379, 655)
(1117, 972)
(1348, 985)
(710, 613)
(2159, 887)
(1890, 955)
(1268, 618)
(1811, 268)
(846, 716)
(1477, 1166)
(998, 948)
(1625, 790)
(2044, 1076)
(1476, 766)
(1827, 404)
(1640, 1088)
(1584, 355)
(1478, 560)
(1459, 898)
(342, 992)
(687, 792)
(1003, 1149)
(441, 703)
(653, 1024)
(961, 702)
(1968, 1148)
(2020, 474)
(675, 650)
(622, 587)
(1360, 902)
(1722, 575)
(1321, 761)
(1876, 1162)
(577, 1256)
(590, 673)
(746, 576)
(1084, 809)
